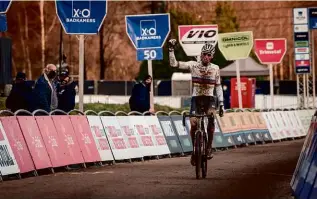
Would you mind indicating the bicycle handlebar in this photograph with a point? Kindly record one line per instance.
(192, 115)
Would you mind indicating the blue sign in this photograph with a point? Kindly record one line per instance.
(150, 54)
(3, 23)
(81, 17)
(4, 5)
(312, 18)
(148, 31)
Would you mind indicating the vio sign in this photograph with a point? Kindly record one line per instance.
(201, 34)
(193, 37)
(270, 51)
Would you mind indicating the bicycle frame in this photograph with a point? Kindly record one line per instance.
(200, 145)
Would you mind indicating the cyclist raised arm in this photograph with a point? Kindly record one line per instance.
(205, 78)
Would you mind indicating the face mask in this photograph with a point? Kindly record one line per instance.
(51, 74)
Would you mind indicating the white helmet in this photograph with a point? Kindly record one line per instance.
(208, 48)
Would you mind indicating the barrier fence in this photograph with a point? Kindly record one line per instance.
(304, 180)
(57, 139)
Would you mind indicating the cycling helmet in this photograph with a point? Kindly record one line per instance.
(208, 48)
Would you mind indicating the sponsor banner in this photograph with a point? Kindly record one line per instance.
(312, 13)
(270, 51)
(85, 139)
(302, 57)
(18, 144)
(235, 45)
(302, 63)
(295, 128)
(54, 145)
(81, 17)
(300, 16)
(301, 28)
(193, 37)
(66, 132)
(271, 124)
(148, 31)
(182, 133)
(8, 163)
(302, 50)
(132, 137)
(101, 139)
(227, 123)
(301, 36)
(157, 132)
(34, 142)
(170, 134)
(302, 66)
(301, 44)
(146, 139)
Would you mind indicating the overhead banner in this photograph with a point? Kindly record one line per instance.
(235, 45)
(193, 37)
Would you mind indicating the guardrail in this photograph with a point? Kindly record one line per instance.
(35, 141)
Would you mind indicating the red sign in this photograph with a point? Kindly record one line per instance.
(302, 63)
(270, 51)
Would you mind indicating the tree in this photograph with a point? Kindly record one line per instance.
(227, 22)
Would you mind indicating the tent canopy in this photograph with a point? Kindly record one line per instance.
(248, 67)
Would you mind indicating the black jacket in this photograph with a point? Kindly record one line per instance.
(66, 96)
(140, 98)
(20, 97)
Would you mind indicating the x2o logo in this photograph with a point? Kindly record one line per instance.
(81, 13)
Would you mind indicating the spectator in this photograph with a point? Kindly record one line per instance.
(66, 92)
(45, 89)
(20, 96)
(140, 98)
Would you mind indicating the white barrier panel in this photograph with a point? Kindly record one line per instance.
(305, 117)
(296, 126)
(157, 132)
(279, 123)
(287, 128)
(131, 136)
(303, 132)
(118, 140)
(100, 138)
(8, 163)
(146, 139)
(274, 132)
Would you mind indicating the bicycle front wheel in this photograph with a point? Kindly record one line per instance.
(198, 152)
(204, 157)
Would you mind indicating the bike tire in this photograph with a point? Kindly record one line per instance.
(204, 157)
(198, 153)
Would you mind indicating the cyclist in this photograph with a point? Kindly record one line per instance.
(205, 77)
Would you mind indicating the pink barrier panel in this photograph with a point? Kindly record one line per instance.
(85, 138)
(17, 143)
(54, 145)
(35, 142)
(66, 133)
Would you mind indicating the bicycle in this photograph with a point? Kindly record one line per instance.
(200, 141)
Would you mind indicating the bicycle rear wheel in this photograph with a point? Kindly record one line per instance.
(204, 156)
(198, 152)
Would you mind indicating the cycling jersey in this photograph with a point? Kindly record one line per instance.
(204, 78)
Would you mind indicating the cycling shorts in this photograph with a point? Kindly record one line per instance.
(203, 104)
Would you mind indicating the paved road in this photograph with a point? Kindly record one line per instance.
(255, 172)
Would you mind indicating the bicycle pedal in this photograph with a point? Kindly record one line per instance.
(209, 158)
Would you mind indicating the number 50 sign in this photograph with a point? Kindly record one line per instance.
(150, 54)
